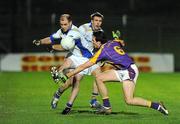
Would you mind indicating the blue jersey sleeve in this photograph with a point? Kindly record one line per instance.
(56, 37)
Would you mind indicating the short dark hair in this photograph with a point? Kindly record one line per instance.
(67, 16)
(100, 36)
(98, 14)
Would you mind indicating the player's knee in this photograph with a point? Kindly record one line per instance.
(99, 78)
(96, 72)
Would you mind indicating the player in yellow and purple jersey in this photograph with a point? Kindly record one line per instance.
(125, 71)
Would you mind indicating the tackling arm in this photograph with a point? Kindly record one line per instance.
(80, 68)
(60, 76)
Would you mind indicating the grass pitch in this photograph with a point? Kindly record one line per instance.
(25, 99)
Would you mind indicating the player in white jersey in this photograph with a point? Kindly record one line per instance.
(86, 31)
(67, 29)
(79, 55)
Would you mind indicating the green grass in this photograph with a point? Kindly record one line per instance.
(25, 99)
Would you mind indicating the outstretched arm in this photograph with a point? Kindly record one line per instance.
(44, 41)
(60, 76)
(80, 68)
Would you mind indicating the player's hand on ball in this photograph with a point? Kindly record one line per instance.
(36, 42)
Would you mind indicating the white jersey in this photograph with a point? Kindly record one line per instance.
(87, 33)
(79, 49)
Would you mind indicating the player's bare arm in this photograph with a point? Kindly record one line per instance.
(44, 41)
(57, 47)
(80, 68)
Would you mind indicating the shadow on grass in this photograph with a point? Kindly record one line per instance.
(95, 112)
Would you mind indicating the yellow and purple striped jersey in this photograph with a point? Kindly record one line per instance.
(113, 53)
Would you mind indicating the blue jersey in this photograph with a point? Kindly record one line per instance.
(113, 53)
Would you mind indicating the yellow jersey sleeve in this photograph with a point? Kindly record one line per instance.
(94, 59)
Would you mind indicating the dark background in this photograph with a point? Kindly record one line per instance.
(152, 25)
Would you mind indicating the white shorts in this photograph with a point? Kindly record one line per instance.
(129, 74)
(77, 61)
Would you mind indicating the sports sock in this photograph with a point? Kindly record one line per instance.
(154, 105)
(93, 98)
(93, 101)
(94, 95)
(58, 93)
(69, 105)
(106, 103)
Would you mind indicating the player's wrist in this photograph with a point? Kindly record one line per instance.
(39, 42)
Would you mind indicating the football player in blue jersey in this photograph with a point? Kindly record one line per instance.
(126, 72)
